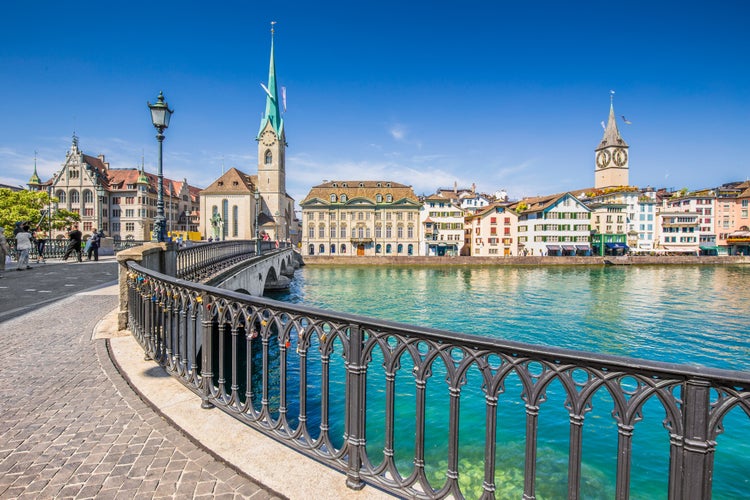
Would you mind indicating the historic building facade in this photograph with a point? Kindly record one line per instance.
(553, 225)
(360, 218)
(442, 224)
(121, 202)
(492, 232)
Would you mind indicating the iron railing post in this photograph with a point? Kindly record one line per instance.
(698, 449)
(207, 353)
(355, 408)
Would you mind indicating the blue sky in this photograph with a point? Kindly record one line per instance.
(507, 95)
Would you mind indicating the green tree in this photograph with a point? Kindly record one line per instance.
(30, 206)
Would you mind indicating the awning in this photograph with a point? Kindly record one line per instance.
(568, 248)
(709, 248)
(553, 248)
(616, 244)
(582, 247)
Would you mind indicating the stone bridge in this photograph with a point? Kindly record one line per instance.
(268, 272)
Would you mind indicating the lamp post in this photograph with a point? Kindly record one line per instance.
(49, 212)
(160, 115)
(256, 194)
(100, 195)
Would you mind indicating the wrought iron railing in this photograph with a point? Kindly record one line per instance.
(273, 366)
(198, 262)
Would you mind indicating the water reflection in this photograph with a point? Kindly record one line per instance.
(685, 314)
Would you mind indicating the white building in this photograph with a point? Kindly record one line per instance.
(553, 225)
(442, 224)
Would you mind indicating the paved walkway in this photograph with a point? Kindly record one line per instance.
(82, 415)
(72, 427)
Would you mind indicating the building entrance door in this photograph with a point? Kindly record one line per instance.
(360, 250)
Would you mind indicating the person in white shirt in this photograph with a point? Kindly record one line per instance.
(23, 246)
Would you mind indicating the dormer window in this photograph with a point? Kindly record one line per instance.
(220, 183)
(335, 184)
(333, 198)
(343, 184)
(361, 184)
(235, 183)
(388, 198)
(343, 198)
(388, 184)
(379, 198)
(380, 184)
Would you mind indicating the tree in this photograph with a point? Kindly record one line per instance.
(31, 207)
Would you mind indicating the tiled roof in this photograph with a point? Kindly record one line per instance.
(361, 189)
(233, 181)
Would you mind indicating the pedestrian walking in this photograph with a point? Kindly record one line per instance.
(74, 243)
(40, 235)
(4, 250)
(23, 247)
(93, 245)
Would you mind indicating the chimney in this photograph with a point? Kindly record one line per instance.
(455, 187)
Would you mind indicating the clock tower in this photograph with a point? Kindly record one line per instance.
(271, 159)
(611, 155)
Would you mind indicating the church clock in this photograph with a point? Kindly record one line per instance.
(602, 158)
(268, 138)
(620, 157)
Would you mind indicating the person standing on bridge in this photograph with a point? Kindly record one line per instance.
(74, 243)
(23, 246)
(93, 245)
(4, 250)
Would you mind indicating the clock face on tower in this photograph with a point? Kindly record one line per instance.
(620, 157)
(268, 138)
(602, 158)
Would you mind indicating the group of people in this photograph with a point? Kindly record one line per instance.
(74, 244)
(26, 241)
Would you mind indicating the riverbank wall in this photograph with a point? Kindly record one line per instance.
(641, 260)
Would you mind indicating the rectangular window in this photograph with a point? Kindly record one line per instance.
(130, 226)
(130, 200)
(321, 231)
(311, 232)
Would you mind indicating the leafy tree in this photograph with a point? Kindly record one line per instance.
(30, 206)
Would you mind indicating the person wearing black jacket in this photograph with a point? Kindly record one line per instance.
(74, 243)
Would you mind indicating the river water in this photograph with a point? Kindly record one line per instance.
(684, 314)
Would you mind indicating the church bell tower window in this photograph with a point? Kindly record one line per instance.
(269, 158)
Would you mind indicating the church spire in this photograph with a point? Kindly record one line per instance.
(35, 181)
(273, 112)
(611, 133)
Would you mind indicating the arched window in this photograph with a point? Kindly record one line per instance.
(268, 157)
(322, 249)
(88, 196)
(379, 198)
(235, 223)
(388, 248)
(61, 196)
(75, 196)
(343, 248)
(333, 248)
(410, 249)
(343, 198)
(224, 218)
(311, 249)
(378, 248)
(388, 198)
(333, 198)
(400, 248)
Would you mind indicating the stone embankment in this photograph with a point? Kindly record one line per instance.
(527, 261)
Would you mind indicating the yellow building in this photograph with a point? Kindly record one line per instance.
(342, 218)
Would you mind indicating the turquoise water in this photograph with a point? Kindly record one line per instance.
(684, 314)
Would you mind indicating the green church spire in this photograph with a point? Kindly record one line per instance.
(273, 112)
(35, 180)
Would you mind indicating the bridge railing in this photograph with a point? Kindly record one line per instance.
(199, 261)
(375, 399)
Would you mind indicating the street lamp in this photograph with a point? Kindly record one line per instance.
(256, 194)
(160, 115)
(100, 195)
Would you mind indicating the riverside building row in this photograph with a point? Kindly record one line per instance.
(385, 218)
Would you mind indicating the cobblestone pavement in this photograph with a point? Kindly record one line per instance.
(71, 427)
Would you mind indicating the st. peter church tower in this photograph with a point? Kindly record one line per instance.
(611, 156)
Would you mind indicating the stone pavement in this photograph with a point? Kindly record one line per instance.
(72, 427)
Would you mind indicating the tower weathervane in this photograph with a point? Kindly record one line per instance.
(272, 29)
